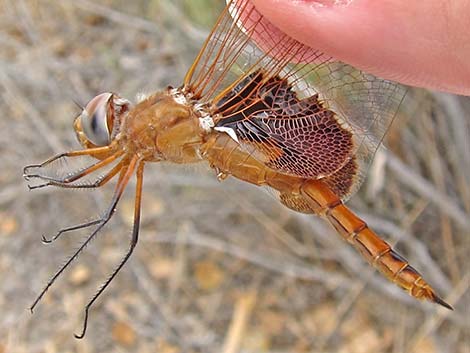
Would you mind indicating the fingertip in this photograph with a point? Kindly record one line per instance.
(346, 30)
(390, 39)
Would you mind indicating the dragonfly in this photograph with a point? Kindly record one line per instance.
(255, 105)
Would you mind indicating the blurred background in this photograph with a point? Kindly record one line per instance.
(220, 267)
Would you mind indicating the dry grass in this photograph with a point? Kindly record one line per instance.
(219, 267)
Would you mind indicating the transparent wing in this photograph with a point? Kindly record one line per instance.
(230, 52)
(297, 109)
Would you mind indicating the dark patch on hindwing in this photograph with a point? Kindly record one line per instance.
(266, 112)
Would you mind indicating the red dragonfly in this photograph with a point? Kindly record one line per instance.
(258, 106)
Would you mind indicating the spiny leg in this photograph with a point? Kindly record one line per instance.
(87, 152)
(133, 243)
(124, 177)
(69, 229)
(96, 184)
(76, 175)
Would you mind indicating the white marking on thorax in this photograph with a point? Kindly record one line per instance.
(229, 131)
(206, 123)
(178, 96)
(141, 96)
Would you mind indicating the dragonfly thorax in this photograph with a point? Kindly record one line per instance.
(162, 128)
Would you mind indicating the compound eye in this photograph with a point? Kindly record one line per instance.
(96, 119)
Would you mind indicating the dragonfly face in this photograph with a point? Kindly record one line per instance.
(100, 120)
(271, 113)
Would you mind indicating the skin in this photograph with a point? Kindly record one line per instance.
(418, 43)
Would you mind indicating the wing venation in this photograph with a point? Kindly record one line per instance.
(321, 114)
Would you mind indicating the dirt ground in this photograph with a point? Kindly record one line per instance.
(220, 267)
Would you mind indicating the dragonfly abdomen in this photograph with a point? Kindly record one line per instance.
(372, 247)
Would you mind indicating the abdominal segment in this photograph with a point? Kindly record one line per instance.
(374, 249)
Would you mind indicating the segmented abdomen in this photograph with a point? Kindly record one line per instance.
(375, 250)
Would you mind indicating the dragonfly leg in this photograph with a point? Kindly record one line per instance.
(94, 152)
(69, 229)
(71, 177)
(133, 243)
(124, 177)
(100, 181)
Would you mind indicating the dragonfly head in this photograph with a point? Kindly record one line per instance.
(100, 120)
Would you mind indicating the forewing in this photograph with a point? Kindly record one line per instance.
(297, 110)
(230, 52)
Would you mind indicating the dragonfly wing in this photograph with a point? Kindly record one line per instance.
(299, 136)
(241, 42)
(305, 113)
